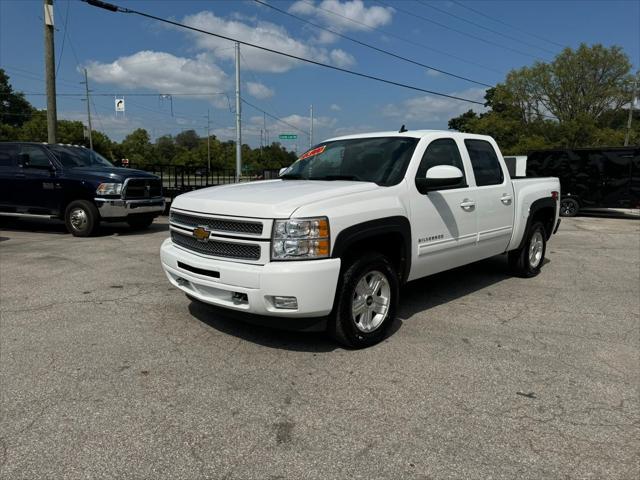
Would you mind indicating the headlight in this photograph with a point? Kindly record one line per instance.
(109, 189)
(300, 239)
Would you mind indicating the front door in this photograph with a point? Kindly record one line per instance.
(495, 202)
(443, 222)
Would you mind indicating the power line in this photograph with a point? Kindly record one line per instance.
(447, 27)
(478, 12)
(403, 39)
(64, 36)
(116, 8)
(274, 117)
(373, 47)
(426, 4)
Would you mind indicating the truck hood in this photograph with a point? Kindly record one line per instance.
(106, 174)
(266, 199)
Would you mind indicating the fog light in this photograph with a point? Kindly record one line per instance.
(288, 303)
(240, 297)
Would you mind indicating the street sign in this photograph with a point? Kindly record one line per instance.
(119, 105)
(288, 136)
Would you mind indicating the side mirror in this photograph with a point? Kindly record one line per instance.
(440, 177)
(282, 170)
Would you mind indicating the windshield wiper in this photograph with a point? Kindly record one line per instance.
(291, 176)
(338, 177)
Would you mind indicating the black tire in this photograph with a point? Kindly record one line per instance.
(569, 207)
(343, 324)
(140, 223)
(81, 218)
(521, 261)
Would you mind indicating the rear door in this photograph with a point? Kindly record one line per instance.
(443, 222)
(39, 188)
(8, 170)
(493, 196)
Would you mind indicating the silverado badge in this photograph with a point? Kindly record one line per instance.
(201, 233)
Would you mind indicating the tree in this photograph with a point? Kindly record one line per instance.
(188, 139)
(577, 100)
(15, 110)
(137, 147)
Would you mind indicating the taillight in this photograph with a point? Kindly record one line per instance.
(554, 195)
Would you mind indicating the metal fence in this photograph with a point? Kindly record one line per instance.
(177, 179)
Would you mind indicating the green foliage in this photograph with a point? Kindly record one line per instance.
(15, 110)
(580, 99)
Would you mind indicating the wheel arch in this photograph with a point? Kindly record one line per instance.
(390, 236)
(543, 210)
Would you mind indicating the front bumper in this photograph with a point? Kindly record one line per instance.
(116, 208)
(312, 282)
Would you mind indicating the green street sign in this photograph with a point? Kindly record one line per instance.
(287, 136)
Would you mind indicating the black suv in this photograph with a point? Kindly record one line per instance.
(74, 184)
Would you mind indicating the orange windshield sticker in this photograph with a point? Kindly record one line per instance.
(311, 153)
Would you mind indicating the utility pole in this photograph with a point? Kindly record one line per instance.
(86, 89)
(238, 118)
(50, 72)
(633, 99)
(311, 127)
(264, 125)
(208, 144)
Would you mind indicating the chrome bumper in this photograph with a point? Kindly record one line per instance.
(115, 208)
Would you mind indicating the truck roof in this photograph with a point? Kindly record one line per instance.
(410, 134)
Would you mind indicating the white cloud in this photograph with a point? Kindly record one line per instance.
(162, 72)
(349, 15)
(335, 107)
(261, 33)
(430, 108)
(433, 73)
(259, 90)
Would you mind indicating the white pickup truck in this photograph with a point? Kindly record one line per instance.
(329, 243)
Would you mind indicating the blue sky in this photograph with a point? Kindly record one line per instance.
(128, 54)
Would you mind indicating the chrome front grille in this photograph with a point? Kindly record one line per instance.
(220, 225)
(143, 188)
(217, 248)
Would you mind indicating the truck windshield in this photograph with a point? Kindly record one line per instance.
(382, 160)
(71, 157)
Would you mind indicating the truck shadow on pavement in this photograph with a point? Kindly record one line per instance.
(57, 227)
(415, 297)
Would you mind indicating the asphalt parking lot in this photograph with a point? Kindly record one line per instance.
(108, 372)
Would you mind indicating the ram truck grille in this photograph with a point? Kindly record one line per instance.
(217, 248)
(142, 188)
(229, 226)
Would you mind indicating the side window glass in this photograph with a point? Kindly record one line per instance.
(443, 151)
(8, 155)
(485, 163)
(37, 156)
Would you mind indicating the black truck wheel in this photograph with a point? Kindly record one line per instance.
(81, 218)
(569, 207)
(140, 222)
(366, 301)
(527, 261)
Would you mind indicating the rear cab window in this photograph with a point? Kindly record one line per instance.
(8, 156)
(487, 169)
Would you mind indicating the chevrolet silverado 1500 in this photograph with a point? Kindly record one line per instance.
(330, 242)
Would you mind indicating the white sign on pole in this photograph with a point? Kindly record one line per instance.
(119, 105)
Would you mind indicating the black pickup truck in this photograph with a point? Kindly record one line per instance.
(74, 184)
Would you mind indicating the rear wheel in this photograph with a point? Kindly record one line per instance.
(569, 207)
(140, 223)
(527, 261)
(81, 218)
(366, 302)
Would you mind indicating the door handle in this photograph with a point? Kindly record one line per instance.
(506, 199)
(20, 175)
(468, 204)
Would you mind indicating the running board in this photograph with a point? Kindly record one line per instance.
(26, 215)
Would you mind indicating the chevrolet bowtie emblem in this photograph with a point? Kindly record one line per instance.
(201, 234)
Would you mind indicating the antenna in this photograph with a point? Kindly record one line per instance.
(402, 129)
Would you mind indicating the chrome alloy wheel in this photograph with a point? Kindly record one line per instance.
(78, 218)
(371, 299)
(536, 248)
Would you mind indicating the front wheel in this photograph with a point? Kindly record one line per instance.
(366, 302)
(81, 218)
(527, 261)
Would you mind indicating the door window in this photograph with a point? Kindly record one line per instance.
(8, 155)
(485, 163)
(443, 151)
(37, 156)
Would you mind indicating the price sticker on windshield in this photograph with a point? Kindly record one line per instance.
(313, 152)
